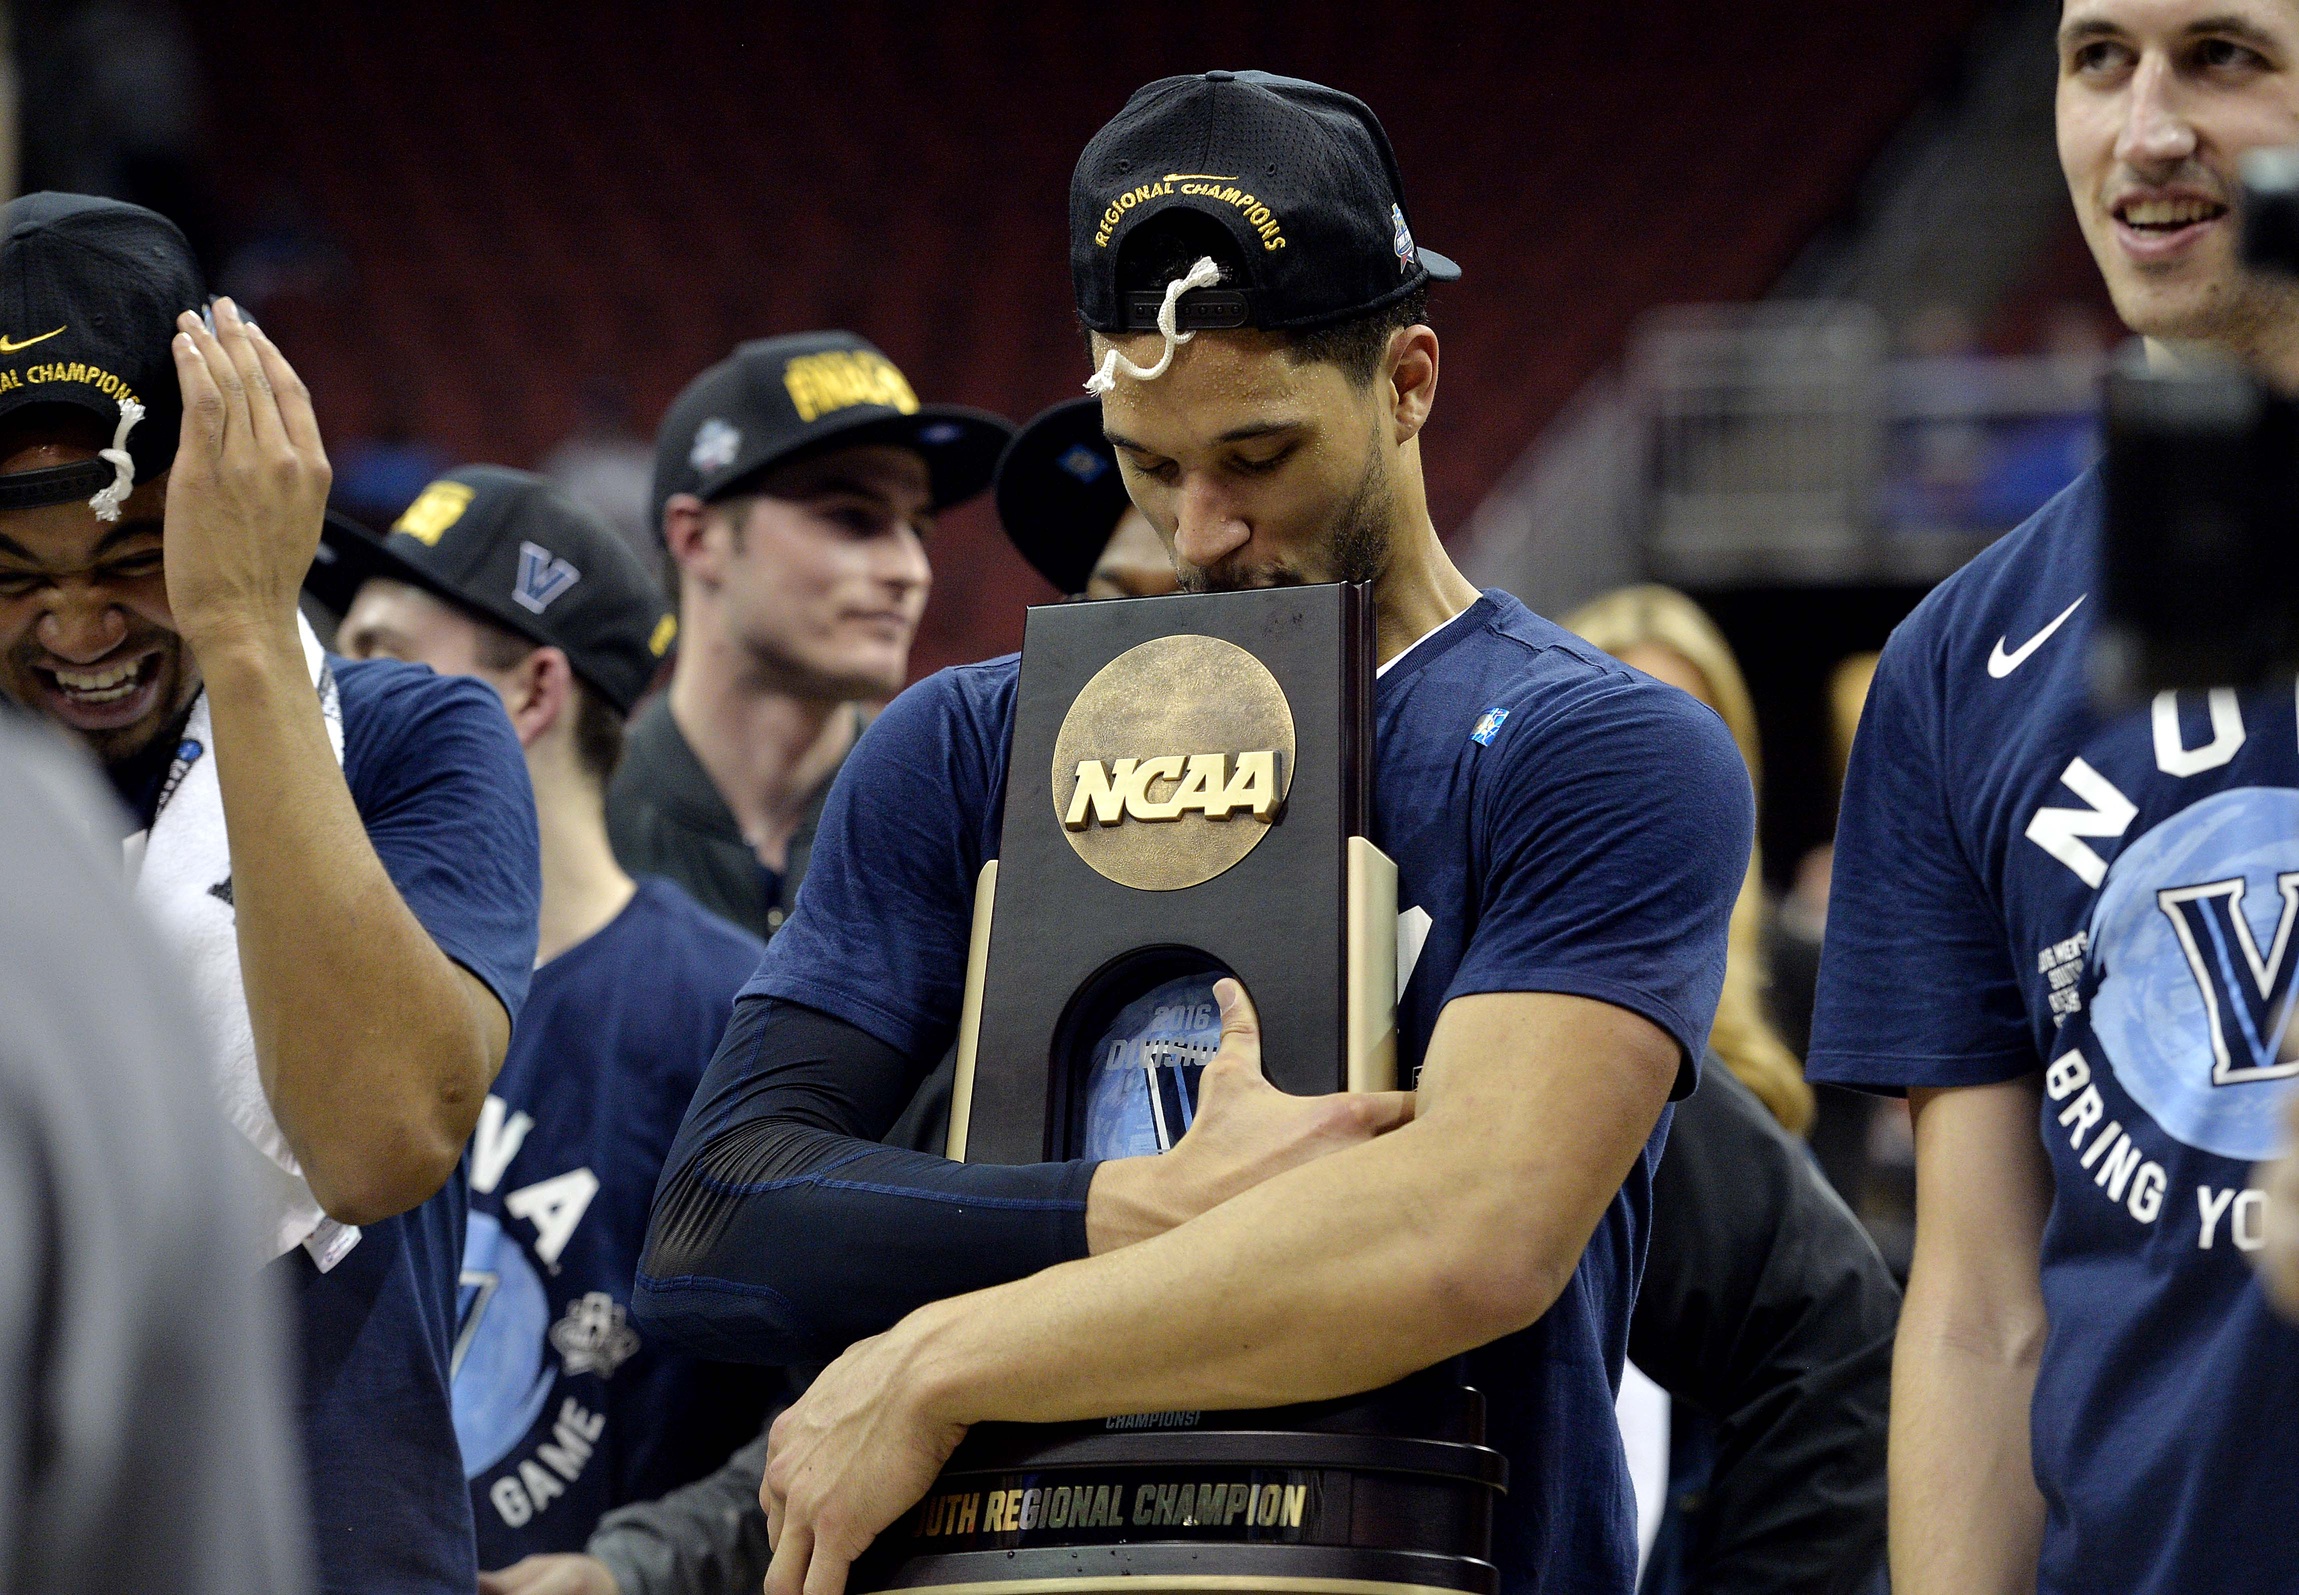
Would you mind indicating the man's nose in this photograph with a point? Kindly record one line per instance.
(1207, 529)
(904, 565)
(2156, 132)
(80, 626)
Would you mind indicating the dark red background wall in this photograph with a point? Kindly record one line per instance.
(530, 196)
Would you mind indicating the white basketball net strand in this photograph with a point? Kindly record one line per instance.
(1202, 275)
(107, 503)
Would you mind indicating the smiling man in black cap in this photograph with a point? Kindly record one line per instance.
(342, 852)
(1241, 253)
(562, 1411)
(795, 483)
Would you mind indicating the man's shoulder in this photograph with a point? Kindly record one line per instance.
(393, 709)
(958, 710)
(1518, 666)
(2008, 592)
(982, 691)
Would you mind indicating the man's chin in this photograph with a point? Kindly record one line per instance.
(1231, 579)
(114, 729)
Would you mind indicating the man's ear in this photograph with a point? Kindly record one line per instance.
(1410, 371)
(688, 524)
(540, 694)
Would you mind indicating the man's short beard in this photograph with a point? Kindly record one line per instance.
(1357, 550)
(123, 745)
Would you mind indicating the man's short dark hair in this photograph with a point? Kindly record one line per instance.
(598, 724)
(1162, 251)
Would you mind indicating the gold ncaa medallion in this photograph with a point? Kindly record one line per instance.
(1173, 762)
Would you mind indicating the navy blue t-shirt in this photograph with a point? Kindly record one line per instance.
(562, 1410)
(440, 783)
(2023, 887)
(1560, 823)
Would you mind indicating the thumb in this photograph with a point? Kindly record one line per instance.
(1240, 1025)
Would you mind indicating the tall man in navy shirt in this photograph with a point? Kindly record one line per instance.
(344, 853)
(1568, 911)
(2069, 939)
(563, 1411)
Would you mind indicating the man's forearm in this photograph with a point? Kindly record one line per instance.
(1340, 1275)
(1966, 1518)
(375, 1049)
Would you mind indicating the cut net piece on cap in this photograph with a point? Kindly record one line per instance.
(1205, 274)
(107, 503)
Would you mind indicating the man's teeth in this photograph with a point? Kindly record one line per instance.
(2169, 212)
(100, 686)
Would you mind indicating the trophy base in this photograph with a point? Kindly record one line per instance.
(1391, 1493)
(1196, 1570)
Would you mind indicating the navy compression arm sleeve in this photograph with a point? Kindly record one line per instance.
(783, 1231)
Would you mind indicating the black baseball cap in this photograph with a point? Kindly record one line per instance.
(1299, 175)
(1060, 492)
(775, 399)
(89, 294)
(515, 550)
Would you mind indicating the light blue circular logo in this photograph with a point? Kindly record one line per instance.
(2194, 945)
(501, 1379)
(1142, 1092)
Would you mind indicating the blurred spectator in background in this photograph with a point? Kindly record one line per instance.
(378, 476)
(606, 466)
(1861, 1140)
(1764, 1311)
(561, 1412)
(795, 483)
(144, 1441)
(1803, 916)
(1666, 635)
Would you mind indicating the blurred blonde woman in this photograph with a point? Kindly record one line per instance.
(1663, 633)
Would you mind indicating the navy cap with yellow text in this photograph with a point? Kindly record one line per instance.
(776, 400)
(89, 294)
(1300, 178)
(515, 550)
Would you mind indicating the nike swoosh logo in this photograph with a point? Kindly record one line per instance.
(2002, 664)
(7, 347)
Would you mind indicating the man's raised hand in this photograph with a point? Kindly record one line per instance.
(1245, 1131)
(249, 486)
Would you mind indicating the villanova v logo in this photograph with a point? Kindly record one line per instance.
(543, 578)
(2247, 999)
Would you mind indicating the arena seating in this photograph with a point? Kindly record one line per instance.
(539, 215)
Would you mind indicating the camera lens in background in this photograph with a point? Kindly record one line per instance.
(2269, 236)
(2200, 563)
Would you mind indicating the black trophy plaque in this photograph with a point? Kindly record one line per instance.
(1187, 794)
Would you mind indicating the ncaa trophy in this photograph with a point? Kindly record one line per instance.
(1188, 796)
